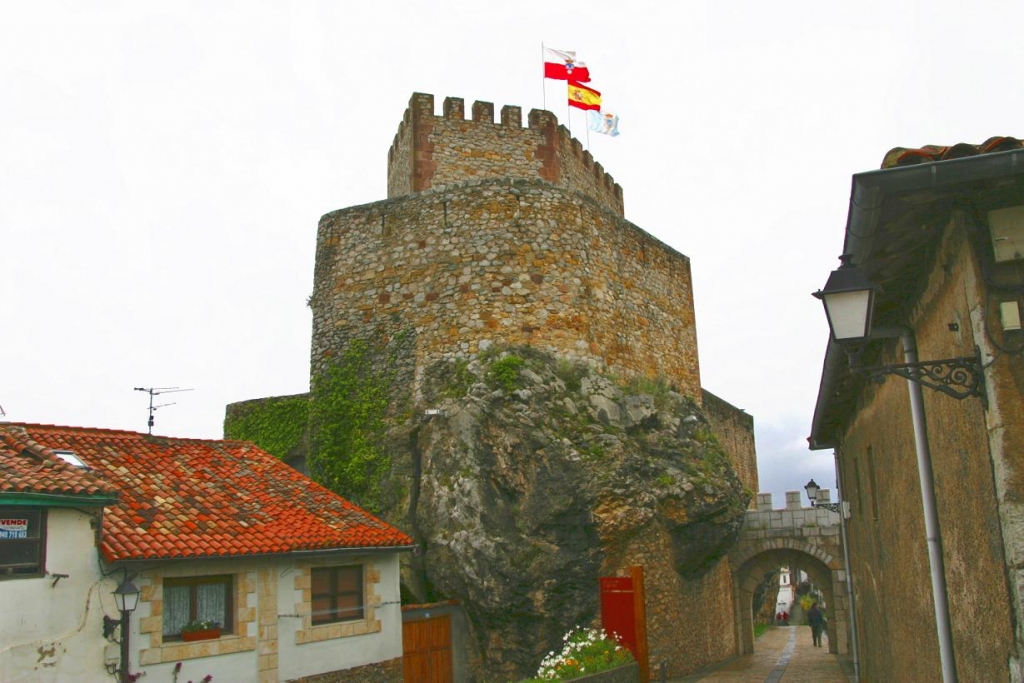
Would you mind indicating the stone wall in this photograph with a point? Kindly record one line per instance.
(516, 262)
(735, 431)
(880, 477)
(438, 151)
(382, 672)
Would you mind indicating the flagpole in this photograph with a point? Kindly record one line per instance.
(568, 109)
(543, 85)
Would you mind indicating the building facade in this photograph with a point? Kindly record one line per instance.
(940, 232)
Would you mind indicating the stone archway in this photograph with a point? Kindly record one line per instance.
(805, 539)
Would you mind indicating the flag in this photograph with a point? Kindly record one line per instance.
(582, 97)
(562, 65)
(603, 122)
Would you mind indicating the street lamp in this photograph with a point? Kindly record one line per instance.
(126, 596)
(849, 299)
(812, 495)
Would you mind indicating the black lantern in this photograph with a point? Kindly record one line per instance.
(849, 299)
(812, 494)
(126, 596)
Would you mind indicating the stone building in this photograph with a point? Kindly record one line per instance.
(499, 235)
(941, 232)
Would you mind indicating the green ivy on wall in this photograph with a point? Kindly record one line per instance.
(276, 424)
(347, 421)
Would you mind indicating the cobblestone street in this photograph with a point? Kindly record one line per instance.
(784, 654)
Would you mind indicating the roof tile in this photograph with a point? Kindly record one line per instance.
(902, 156)
(27, 466)
(197, 498)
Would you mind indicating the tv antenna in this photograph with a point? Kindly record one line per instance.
(156, 391)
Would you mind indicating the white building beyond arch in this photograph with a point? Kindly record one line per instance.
(784, 599)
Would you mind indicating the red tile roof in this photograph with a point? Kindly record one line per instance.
(189, 498)
(901, 156)
(27, 467)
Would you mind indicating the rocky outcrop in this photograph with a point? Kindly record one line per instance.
(534, 478)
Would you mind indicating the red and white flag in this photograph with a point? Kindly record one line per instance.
(562, 65)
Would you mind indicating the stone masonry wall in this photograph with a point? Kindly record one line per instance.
(735, 431)
(434, 152)
(518, 262)
(381, 672)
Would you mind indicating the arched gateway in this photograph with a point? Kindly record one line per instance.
(804, 539)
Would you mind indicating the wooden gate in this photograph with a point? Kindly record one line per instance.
(427, 650)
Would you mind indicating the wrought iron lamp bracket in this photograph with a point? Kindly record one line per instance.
(957, 377)
(832, 507)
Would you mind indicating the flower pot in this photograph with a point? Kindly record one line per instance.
(205, 634)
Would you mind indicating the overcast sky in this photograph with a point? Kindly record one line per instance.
(163, 167)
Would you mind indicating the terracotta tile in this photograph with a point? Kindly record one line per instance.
(186, 497)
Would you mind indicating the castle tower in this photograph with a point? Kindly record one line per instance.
(493, 233)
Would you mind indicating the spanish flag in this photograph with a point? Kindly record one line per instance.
(582, 97)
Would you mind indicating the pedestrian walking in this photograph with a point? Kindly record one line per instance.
(817, 621)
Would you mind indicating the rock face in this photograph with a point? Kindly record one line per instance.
(534, 482)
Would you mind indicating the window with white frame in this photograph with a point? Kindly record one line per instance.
(22, 542)
(337, 594)
(197, 598)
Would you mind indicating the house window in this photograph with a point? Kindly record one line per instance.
(337, 594)
(206, 598)
(22, 542)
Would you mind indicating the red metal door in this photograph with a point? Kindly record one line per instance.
(623, 614)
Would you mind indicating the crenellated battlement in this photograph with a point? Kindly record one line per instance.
(431, 151)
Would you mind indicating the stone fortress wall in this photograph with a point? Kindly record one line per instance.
(734, 428)
(519, 240)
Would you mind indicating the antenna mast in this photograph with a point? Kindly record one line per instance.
(156, 391)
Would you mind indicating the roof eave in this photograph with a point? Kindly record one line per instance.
(24, 499)
(325, 552)
(868, 193)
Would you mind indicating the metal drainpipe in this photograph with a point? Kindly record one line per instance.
(931, 516)
(846, 563)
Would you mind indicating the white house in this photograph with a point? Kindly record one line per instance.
(299, 581)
